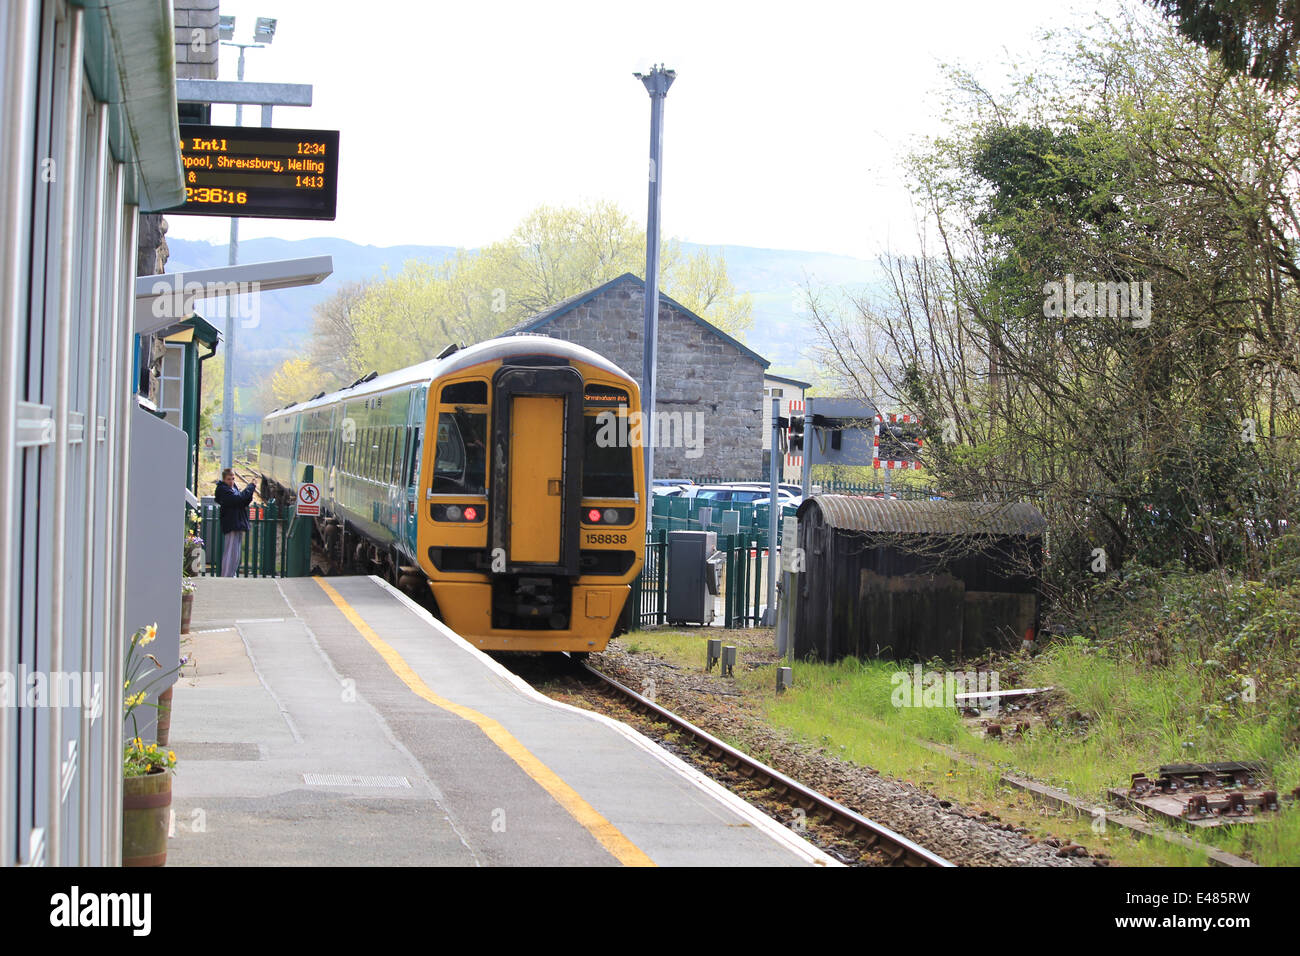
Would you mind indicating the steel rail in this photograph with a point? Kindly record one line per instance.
(897, 847)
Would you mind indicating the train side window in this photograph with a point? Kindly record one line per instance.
(413, 463)
(460, 464)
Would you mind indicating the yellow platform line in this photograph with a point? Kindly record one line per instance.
(623, 849)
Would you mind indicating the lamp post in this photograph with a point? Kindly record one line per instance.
(656, 83)
(263, 33)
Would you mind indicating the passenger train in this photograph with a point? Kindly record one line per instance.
(482, 475)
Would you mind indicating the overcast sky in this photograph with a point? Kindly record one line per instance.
(784, 128)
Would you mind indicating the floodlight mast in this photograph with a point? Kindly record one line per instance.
(657, 82)
(263, 33)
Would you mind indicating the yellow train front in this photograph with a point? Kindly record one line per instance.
(532, 526)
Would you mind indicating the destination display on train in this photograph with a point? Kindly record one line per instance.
(259, 173)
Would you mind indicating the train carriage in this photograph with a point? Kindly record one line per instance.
(487, 475)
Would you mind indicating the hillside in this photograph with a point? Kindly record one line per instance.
(772, 276)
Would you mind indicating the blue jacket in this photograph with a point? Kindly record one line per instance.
(234, 507)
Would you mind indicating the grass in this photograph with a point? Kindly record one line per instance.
(1167, 669)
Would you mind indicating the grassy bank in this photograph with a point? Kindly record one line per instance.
(1161, 668)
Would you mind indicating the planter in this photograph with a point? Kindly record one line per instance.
(164, 726)
(146, 808)
(187, 607)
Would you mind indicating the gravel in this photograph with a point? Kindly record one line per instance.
(966, 837)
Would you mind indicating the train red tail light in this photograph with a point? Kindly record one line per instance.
(610, 516)
(471, 513)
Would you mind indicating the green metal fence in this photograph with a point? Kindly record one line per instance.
(265, 551)
(903, 491)
(650, 590)
(744, 582)
(683, 514)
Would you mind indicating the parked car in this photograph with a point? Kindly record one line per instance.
(671, 487)
(746, 492)
(787, 501)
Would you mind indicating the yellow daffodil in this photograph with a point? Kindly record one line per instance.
(150, 633)
(171, 755)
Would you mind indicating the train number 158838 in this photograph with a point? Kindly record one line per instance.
(595, 538)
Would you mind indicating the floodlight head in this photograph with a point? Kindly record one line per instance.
(265, 30)
(227, 28)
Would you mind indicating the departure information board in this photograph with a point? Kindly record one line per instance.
(259, 173)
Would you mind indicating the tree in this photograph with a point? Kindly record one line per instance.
(1165, 432)
(333, 342)
(1255, 37)
(294, 381)
(214, 378)
(553, 254)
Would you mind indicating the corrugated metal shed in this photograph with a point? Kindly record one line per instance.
(915, 579)
(893, 516)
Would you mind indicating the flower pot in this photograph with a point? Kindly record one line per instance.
(146, 809)
(164, 726)
(187, 607)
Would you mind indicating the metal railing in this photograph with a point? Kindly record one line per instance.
(264, 552)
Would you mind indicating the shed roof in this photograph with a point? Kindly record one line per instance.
(895, 516)
(787, 381)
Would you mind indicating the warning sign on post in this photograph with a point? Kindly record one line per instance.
(308, 500)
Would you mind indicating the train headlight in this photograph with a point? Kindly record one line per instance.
(610, 516)
(458, 513)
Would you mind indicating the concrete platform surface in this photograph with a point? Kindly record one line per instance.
(335, 722)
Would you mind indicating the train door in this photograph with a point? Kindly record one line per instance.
(535, 493)
(414, 421)
(537, 480)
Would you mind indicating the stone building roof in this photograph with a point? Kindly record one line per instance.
(535, 322)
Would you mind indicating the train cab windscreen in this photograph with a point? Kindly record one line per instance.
(607, 444)
(460, 464)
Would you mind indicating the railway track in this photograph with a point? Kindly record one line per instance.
(841, 832)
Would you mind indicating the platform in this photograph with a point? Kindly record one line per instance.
(332, 721)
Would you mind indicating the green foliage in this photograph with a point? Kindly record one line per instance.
(141, 673)
(140, 758)
(1255, 37)
(1157, 432)
(553, 254)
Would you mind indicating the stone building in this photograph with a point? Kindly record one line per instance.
(710, 386)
